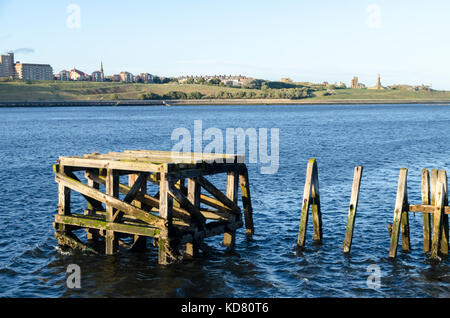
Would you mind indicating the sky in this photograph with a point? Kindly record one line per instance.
(406, 42)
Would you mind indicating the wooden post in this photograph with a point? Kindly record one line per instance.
(165, 211)
(194, 192)
(246, 201)
(426, 217)
(442, 178)
(315, 206)
(310, 197)
(63, 202)
(352, 209)
(90, 233)
(437, 220)
(112, 189)
(139, 242)
(400, 206)
(232, 190)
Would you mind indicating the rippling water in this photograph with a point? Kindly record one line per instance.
(382, 138)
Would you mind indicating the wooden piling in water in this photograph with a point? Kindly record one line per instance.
(174, 217)
(311, 197)
(400, 208)
(352, 209)
(435, 211)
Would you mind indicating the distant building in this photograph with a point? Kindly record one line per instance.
(64, 75)
(27, 71)
(7, 65)
(126, 77)
(146, 77)
(98, 76)
(356, 84)
(378, 86)
(77, 75)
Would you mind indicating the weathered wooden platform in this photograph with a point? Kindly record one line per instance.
(186, 208)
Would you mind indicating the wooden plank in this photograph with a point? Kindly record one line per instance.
(398, 211)
(232, 192)
(110, 164)
(437, 220)
(429, 209)
(107, 199)
(306, 203)
(442, 178)
(352, 209)
(95, 223)
(246, 201)
(426, 200)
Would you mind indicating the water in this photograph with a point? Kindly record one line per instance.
(382, 138)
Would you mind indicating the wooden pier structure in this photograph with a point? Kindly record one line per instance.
(178, 216)
(435, 211)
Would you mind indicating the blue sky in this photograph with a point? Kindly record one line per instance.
(304, 40)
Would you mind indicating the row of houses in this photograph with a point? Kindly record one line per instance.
(228, 80)
(99, 76)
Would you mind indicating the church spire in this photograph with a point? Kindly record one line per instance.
(101, 67)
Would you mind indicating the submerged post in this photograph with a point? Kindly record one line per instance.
(352, 209)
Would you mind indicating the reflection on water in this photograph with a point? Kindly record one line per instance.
(382, 138)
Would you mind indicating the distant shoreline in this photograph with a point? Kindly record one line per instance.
(212, 102)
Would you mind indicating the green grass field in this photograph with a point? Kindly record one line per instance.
(44, 90)
(54, 91)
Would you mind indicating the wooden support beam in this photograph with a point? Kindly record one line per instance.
(193, 195)
(112, 189)
(426, 200)
(187, 205)
(232, 192)
(100, 224)
(139, 181)
(400, 207)
(91, 234)
(352, 209)
(165, 212)
(437, 220)
(246, 201)
(107, 199)
(442, 178)
(70, 240)
(208, 186)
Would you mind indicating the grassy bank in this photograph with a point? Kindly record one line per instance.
(91, 91)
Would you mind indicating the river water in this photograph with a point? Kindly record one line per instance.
(382, 138)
